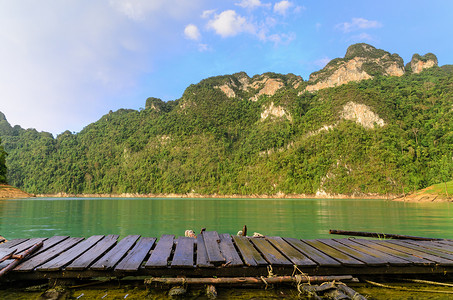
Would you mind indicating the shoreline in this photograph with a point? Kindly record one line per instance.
(424, 198)
(10, 192)
(215, 196)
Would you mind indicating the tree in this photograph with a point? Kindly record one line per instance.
(2, 164)
(445, 171)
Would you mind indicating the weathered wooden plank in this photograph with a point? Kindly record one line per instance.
(270, 253)
(136, 256)
(314, 254)
(6, 253)
(87, 258)
(160, 255)
(28, 244)
(417, 253)
(232, 258)
(250, 255)
(44, 257)
(444, 245)
(183, 257)
(211, 241)
(111, 258)
(17, 259)
(446, 242)
(22, 248)
(69, 255)
(433, 245)
(387, 258)
(403, 255)
(49, 243)
(202, 254)
(12, 243)
(367, 258)
(296, 257)
(428, 253)
(345, 259)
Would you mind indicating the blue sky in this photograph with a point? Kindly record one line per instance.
(64, 64)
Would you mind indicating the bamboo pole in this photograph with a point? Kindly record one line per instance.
(407, 289)
(248, 280)
(382, 235)
(7, 256)
(19, 258)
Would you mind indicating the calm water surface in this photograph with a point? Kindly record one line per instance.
(301, 218)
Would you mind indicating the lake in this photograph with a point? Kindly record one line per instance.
(300, 218)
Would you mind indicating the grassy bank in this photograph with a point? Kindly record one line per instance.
(441, 192)
(7, 191)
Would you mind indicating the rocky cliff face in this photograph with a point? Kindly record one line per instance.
(239, 84)
(361, 62)
(419, 63)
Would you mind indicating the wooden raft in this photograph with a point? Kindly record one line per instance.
(223, 255)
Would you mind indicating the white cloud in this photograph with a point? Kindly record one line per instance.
(67, 63)
(322, 62)
(208, 13)
(147, 10)
(362, 37)
(136, 9)
(251, 4)
(191, 32)
(358, 24)
(203, 47)
(281, 38)
(318, 26)
(282, 7)
(229, 23)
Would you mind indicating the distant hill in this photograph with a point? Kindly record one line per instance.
(366, 124)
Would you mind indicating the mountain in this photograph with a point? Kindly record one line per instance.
(366, 124)
(363, 61)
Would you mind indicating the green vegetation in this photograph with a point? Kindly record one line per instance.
(208, 143)
(3, 170)
(444, 190)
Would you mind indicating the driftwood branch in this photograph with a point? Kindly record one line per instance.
(382, 235)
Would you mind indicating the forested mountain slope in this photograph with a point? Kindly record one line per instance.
(269, 134)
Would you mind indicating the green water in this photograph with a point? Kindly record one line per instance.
(301, 218)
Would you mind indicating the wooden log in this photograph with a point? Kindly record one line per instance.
(382, 235)
(248, 280)
(20, 258)
(350, 292)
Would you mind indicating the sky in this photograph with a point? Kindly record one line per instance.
(66, 63)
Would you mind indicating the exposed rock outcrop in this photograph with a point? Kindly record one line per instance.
(361, 114)
(275, 111)
(266, 86)
(419, 63)
(361, 61)
(154, 104)
(258, 85)
(227, 89)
